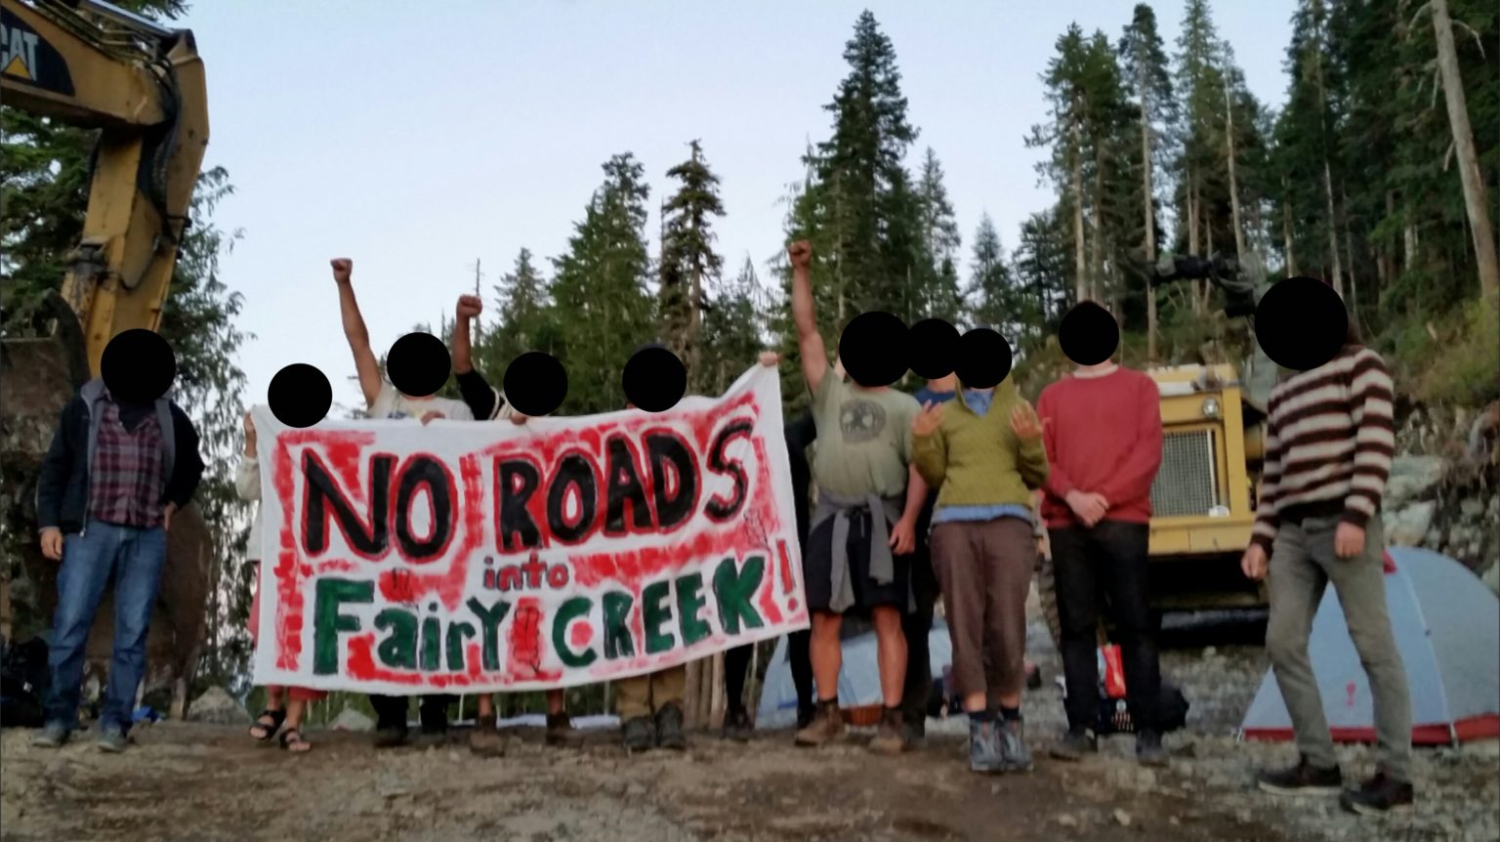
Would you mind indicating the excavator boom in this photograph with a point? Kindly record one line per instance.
(93, 65)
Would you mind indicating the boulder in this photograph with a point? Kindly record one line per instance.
(1413, 478)
(1407, 527)
(217, 707)
(350, 719)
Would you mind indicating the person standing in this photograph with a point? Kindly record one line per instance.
(984, 453)
(487, 402)
(1104, 440)
(384, 400)
(863, 529)
(1329, 444)
(284, 705)
(123, 460)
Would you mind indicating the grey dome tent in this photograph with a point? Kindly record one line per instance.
(859, 680)
(1447, 628)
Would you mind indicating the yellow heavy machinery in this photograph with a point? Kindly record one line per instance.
(1203, 499)
(141, 86)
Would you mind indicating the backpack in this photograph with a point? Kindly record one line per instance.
(1114, 716)
(24, 678)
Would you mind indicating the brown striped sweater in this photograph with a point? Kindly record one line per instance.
(1329, 444)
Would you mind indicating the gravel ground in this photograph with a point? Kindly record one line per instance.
(202, 782)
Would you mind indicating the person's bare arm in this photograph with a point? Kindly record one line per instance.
(355, 331)
(469, 307)
(809, 341)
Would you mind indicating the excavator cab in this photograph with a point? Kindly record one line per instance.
(141, 87)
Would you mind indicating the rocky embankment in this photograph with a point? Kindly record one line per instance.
(1444, 490)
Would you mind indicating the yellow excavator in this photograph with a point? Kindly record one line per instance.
(141, 86)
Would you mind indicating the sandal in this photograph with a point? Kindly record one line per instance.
(270, 728)
(291, 740)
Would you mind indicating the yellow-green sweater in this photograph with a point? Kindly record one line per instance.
(977, 460)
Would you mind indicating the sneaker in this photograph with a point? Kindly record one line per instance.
(52, 736)
(737, 726)
(826, 727)
(1014, 755)
(112, 740)
(669, 728)
(916, 733)
(1149, 750)
(485, 740)
(891, 737)
(1379, 795)
(431, 736)
(639, 734)
(560, 730)
(1074, 745)
(1302, 779)
(390, 737)
(984, 747)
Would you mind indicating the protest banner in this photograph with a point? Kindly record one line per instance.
(485, 556)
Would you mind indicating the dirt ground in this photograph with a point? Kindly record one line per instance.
(194, 782)
(202, 783)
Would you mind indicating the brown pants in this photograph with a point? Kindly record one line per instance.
(643, 695)
(985, 569)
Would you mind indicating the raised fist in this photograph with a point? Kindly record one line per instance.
(470, 306)
(343, 267)
(801, 254)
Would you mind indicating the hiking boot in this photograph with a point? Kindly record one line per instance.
(916, 733)
(1302, 779)
(805, 715)
(639, 734)
(113, 740)
(1149, 751)
(53, 735)
(737, 726)
(669, 728)
(432, 736)
(826, 727)
(984, 747)
(891, 737)
(485, 739)
(560, 730)
(1014, 755)
(1074, 745)
(1379, 795)
(390, 737)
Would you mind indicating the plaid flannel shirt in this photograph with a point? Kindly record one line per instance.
(127, 479)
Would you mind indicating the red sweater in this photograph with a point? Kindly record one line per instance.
(1103, 436)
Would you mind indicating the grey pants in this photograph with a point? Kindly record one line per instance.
(1302, 565)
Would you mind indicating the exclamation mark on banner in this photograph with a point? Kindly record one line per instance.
(786, 574)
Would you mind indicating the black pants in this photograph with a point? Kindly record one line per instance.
(1088, 563)
(391, 712)
(917, 627)
(799, 655)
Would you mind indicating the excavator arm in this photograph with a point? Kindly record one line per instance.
(93, 65)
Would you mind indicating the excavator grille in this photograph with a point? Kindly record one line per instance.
(1186, 483)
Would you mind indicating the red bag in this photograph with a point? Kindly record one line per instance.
(1114, 672)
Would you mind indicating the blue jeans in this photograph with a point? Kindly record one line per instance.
(134, 558)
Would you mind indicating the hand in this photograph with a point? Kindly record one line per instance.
(250, 439)
(343, 267)
(928, 420)
(770, 359)
(518, 418)
(801, 254)
(52, 543)
(1088, 508)
(166, 516)
(1024, 423)
(904, 536)
(1348, 540)
(470, 306)
(1254, 563)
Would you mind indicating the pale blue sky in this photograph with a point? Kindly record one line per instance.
(417, 137)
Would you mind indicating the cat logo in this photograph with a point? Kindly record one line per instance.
(26, 57)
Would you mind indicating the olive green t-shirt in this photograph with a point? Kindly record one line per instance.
(864, 438)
